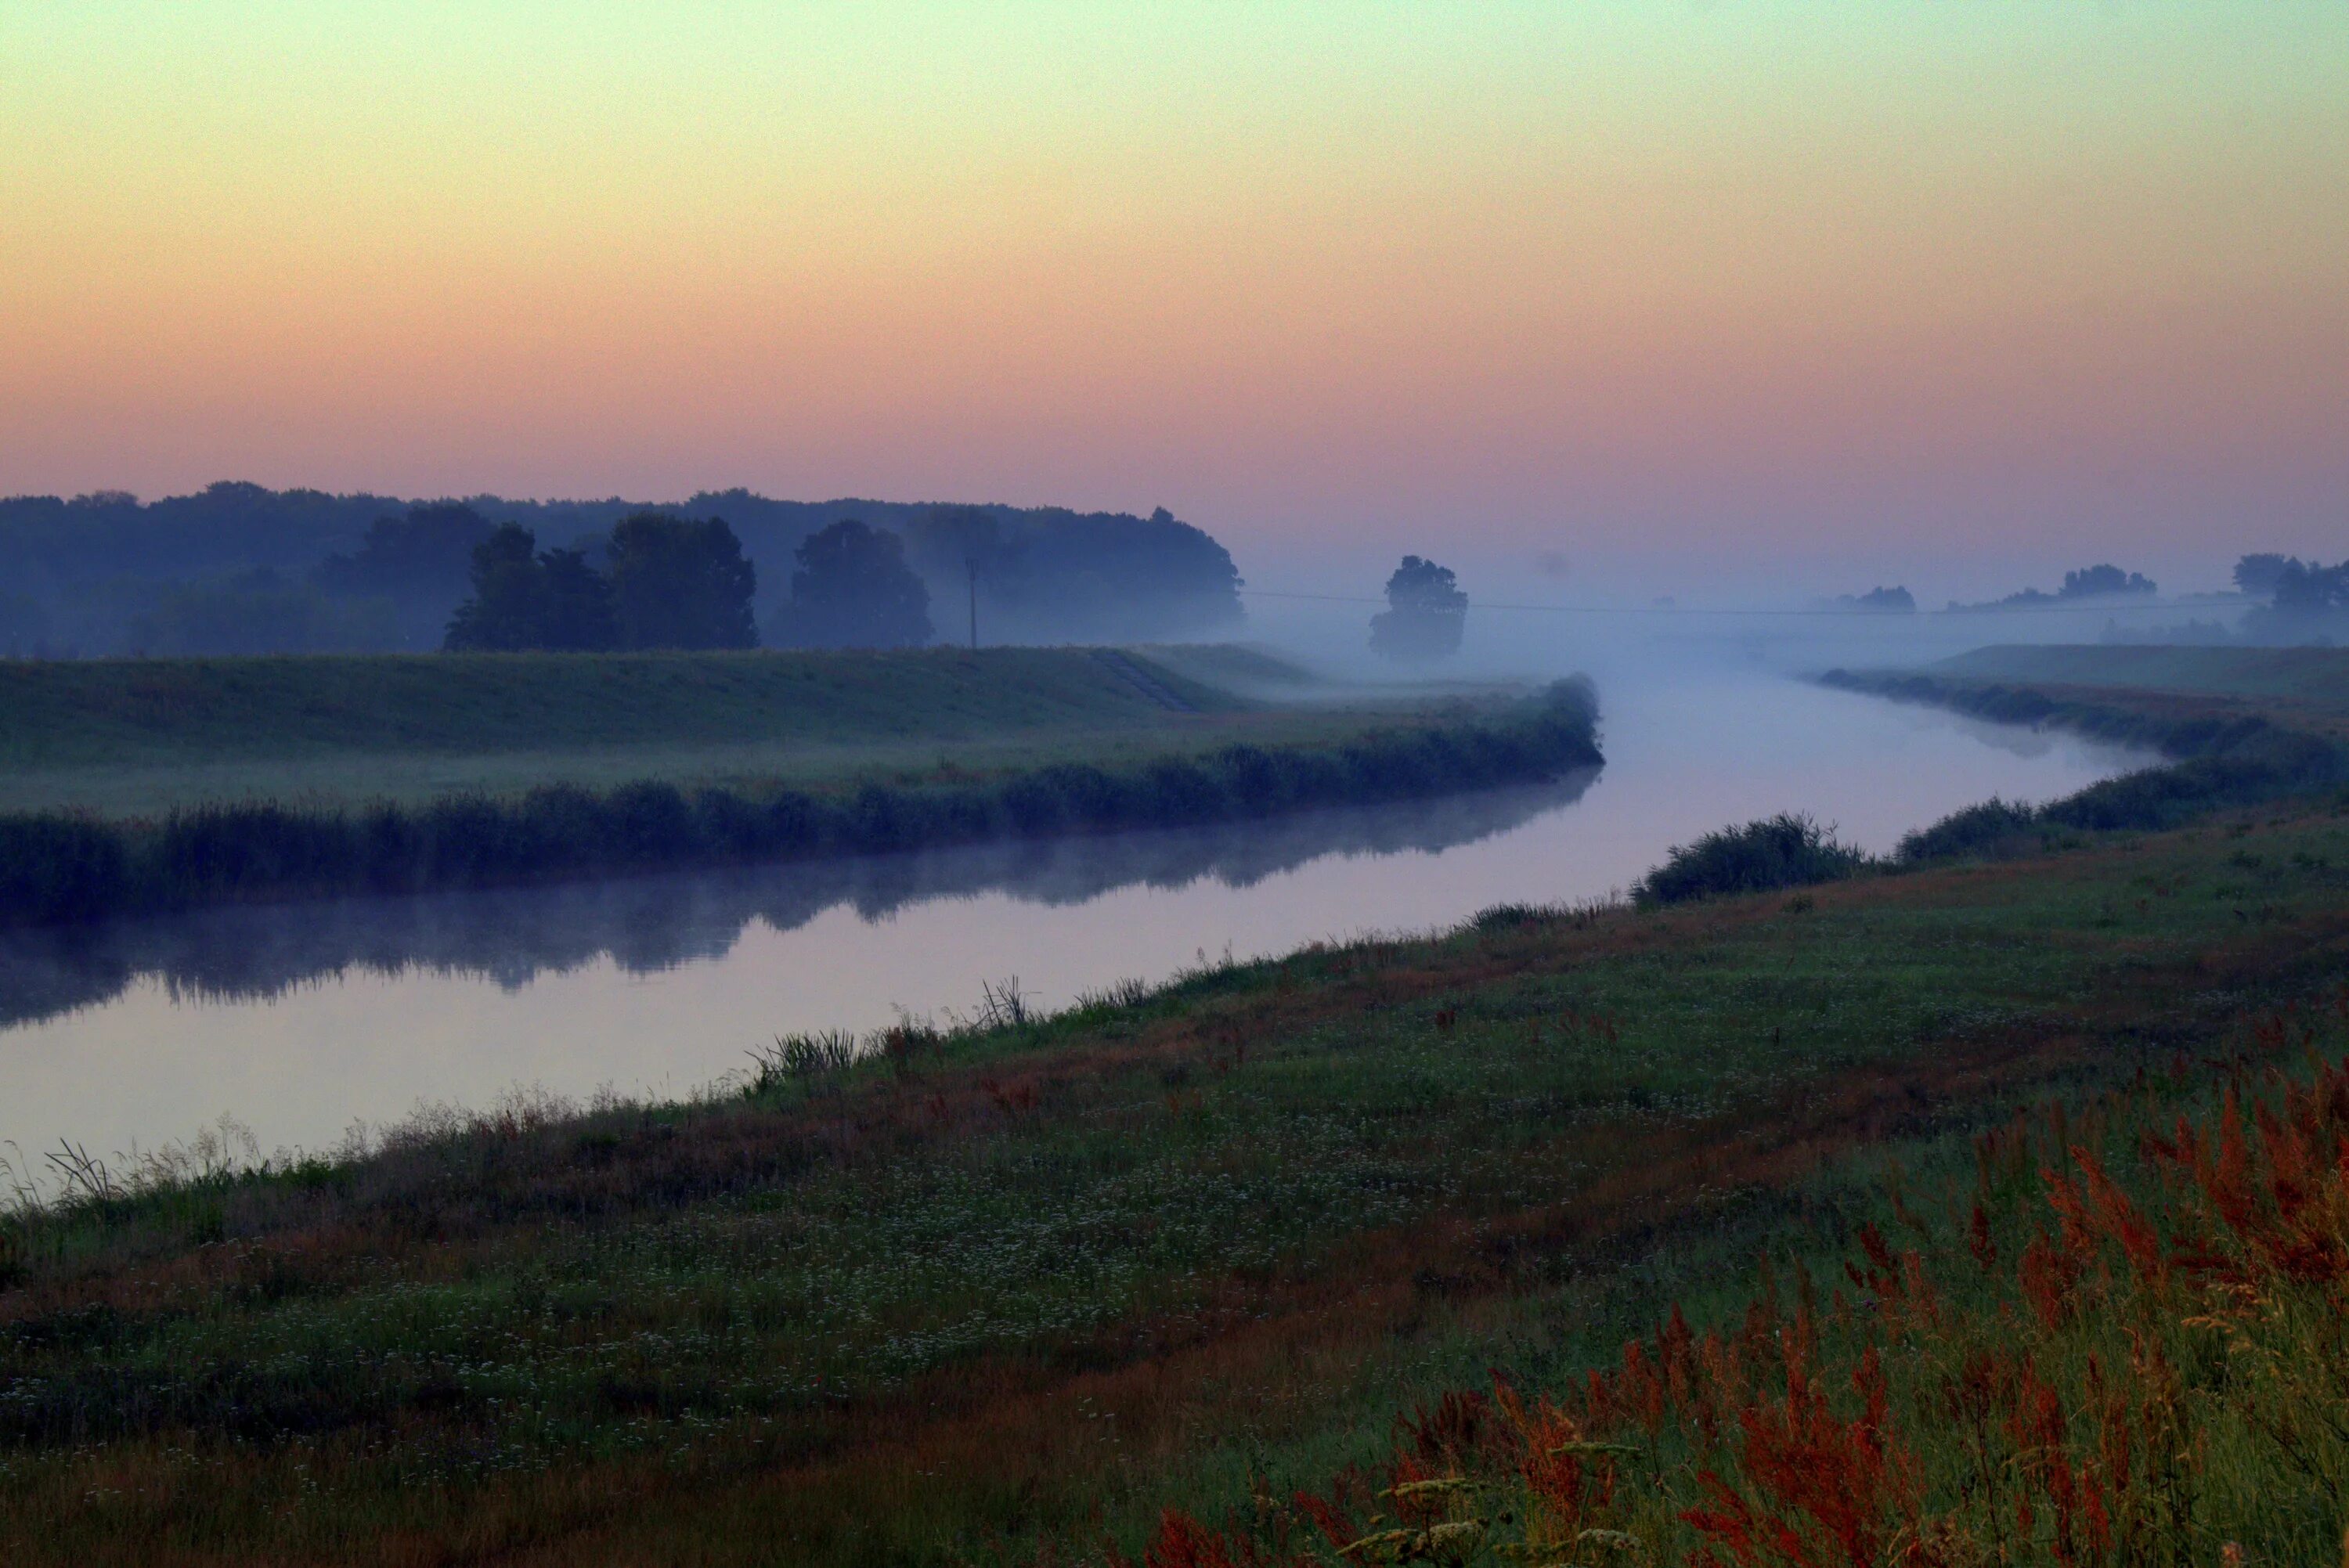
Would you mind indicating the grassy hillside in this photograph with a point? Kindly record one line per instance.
(136, 736)
(2313, 678)
(1038, 1279)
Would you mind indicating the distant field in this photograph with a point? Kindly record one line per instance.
(132, 736)
(2317, 678)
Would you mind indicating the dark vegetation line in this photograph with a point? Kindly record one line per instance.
(2217, 762)
(58, 867)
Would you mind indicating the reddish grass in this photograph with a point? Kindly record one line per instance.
(2161, 1361)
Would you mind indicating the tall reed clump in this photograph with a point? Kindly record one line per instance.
(58, 867)
(2125, 1340)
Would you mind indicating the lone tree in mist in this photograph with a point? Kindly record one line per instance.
(679, 583)
(852, 589)
(526, 598)
(1425, 613)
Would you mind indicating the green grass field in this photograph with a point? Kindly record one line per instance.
(136, 736)
(1326, 1260)
(1034, 1282)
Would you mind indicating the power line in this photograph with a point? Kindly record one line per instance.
(1822, 610)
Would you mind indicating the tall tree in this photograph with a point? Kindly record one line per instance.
(505, 612)
(852, 589)
(577, 608)
(1425, 615)
(680, 584)
(523, 598)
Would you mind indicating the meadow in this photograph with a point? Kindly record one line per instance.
(139, 737)
(1019, 1284)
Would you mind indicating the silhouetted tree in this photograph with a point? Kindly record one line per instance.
(2258, 574)
(1425, 613)
(526, 599)
(2096, 582)
(852, 589)
(2309, 605)
(1878, 600)
(578, 610)
(680, 584)
(505, 612)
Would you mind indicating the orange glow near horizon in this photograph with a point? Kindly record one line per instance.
(1749, 279)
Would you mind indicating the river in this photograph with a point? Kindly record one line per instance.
(298, 1021)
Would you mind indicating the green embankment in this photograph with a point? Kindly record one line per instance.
(1038, 1278)
(127, 712)
(1192, 768)
(2313, 680)
(125, 737)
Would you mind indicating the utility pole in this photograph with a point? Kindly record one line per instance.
(970, 564)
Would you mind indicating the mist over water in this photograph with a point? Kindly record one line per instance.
(301, 1020)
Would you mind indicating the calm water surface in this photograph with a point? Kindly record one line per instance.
(301, 1020)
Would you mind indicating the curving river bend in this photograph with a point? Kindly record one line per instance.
(300, 1020)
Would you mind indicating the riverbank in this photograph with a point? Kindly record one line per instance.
(141, 738)
(59, 867)
(2243, 756)
(2229, 746)
(1033, 1278)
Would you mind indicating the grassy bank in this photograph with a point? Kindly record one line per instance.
(2249, 755)
(58, 867)
(1034, 1280)
(139, 737)
(2312, 680)
(121, 713)
(2115, 1334)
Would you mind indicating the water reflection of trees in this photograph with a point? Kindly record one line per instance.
(649, 923)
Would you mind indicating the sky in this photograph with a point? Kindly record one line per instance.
(1883, 286)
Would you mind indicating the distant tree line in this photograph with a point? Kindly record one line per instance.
(1879, 601)
(2089, 582)
(240, 568)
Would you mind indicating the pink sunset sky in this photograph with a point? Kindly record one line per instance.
(1967, 290)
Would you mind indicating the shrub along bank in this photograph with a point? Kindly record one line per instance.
(58, 867)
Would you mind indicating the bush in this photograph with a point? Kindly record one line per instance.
(1785, 850)
(1976, 829)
